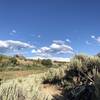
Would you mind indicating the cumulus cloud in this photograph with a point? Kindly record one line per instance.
(41, 50)
(11, 45)
(54, 50)
(57, 47)
(96, 38)
(61, 47)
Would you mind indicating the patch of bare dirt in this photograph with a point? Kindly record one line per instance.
(51, 89)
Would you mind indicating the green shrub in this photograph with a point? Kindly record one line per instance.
(47, 62)
(13, 61)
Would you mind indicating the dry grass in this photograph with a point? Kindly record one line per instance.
(6, 75)
(29, 88)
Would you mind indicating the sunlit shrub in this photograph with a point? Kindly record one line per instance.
(75, 64)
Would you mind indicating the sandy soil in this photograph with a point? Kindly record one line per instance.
(51, 89)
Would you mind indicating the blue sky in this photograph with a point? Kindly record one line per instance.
(49, 28)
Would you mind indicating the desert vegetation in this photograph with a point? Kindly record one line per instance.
(16, 66)
(18, 62)
(77, 80)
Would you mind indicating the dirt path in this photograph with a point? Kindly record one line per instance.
(52, 90)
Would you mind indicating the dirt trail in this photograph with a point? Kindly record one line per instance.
(52, 90)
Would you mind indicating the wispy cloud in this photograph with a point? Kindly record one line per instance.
(11, 46)
(93, 37)
(12, 32)
(88, 43)
(68, 40)
(39, 36)
(36, 35)
(97, 39)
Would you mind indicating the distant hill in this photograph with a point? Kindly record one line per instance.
(19, 62)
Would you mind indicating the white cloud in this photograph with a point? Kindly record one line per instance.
(11, 45)
(60, 46)
(54, 50)
(34, 51)
(93, 37)
(52, 58)
(65, 52)
(68, 40)
(45, 49)
(88, 43)
(58, 42)
(41, 50)
(12, 32)
(96, 38)
(57, 47)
